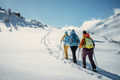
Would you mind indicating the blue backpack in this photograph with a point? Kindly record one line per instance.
(66, 38)
(74, 38)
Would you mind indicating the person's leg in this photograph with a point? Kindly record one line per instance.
(66, 51)
(90, 56)
(84, 54)
(74, 48)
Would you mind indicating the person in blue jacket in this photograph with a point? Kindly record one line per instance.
(65, 39)
(74, 43)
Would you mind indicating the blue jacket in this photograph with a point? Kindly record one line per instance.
(66, 40)
(76, 42)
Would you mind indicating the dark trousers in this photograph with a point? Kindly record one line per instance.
(88, 52)
(73, 49)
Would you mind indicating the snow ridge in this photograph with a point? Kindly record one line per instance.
(13, 20)
(109, 28)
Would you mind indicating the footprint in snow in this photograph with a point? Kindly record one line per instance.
(65, 62)
(49, 49)
(51, 52)
(100, 77)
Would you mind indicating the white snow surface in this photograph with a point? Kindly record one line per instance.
(12, 22)
(29, 50)
(109, 28)
(33, 54)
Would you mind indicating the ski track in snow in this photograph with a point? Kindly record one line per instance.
(56, 53)
(59, 55)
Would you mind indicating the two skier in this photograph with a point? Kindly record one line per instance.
(87, 44)
(73, 41)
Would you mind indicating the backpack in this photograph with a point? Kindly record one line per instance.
(88, 42)
(75, 38)
(66, 38)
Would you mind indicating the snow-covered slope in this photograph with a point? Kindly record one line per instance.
(13, 21)
(33, 54)
(109, 28)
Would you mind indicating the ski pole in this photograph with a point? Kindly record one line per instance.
(95, 59)
(59, 49)
(78, 53)
(79, 56)
(63, 55)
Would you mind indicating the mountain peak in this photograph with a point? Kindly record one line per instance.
(14, 20)
(108, 28)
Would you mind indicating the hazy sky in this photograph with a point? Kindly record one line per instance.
(60, 13)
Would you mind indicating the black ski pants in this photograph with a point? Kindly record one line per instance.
(73, 49)
(88, 52)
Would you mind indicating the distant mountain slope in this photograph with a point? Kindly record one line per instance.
(13, 20)
(109, 28)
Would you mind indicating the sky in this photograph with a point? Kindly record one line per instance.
(59, 13)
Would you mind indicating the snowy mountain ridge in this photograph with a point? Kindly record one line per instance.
(109, 28)
(13, 20)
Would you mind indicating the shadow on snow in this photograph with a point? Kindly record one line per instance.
(102, 72)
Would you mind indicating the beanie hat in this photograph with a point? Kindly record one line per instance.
(84, 32)
(73, 30)
(66, 32)
(87, 35)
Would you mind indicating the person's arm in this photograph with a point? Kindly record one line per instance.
(63, 37)
(82, 43)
